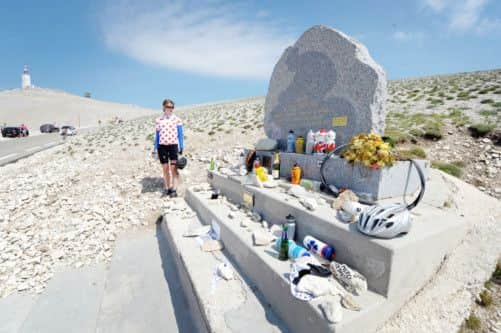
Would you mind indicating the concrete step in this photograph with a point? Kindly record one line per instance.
(384, 262)
(225, 306)
(142, 292)
(70, 302)
(261, 266)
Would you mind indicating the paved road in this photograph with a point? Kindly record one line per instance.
(15, 148)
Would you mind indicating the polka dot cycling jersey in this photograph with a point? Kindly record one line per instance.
(167, 129)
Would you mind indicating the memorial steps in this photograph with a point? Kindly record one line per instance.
(217, 305)
(395, 269)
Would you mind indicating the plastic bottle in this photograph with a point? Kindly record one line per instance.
(330, 141)
(283, 245)
(291, 226)
(326, 251)
(291, 141)
(310, 141)
(294, 250)
(212, 165)
(296, 174)
(299, 145)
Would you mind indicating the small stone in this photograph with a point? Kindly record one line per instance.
(212, 245)
(297, 191)
(262, 237)
(197, 231)
(349, 303)
(270, 183)
(265, 224)
(256, 217)
(309, 203)
(276, 230)
(225, 271)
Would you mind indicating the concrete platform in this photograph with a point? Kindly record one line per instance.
(385, 263)
(396, 269)
(225, 306)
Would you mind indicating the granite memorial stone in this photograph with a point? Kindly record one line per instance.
(325, 80)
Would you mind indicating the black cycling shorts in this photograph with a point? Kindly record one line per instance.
(166, 153)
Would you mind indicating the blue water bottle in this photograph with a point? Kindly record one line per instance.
(291, 142)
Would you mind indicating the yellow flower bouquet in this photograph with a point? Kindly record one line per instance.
(369, 150)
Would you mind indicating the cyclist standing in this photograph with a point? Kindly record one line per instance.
(168, 143)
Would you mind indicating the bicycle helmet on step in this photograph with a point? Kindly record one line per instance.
(390, 220)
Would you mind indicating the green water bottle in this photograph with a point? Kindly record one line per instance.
(284, 244)
(212, 165)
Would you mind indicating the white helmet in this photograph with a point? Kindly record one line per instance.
(391, 220)
(385, 221)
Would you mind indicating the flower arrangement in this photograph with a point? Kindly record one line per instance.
(370, 150)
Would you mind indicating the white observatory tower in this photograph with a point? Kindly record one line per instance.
(26, 78)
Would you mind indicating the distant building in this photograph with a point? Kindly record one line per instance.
(26, 78)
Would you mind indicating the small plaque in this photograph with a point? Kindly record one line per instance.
(248, 199)
(339, 121)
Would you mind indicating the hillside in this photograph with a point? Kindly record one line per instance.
(37, 106)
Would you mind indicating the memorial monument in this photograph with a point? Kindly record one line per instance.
(325, 80)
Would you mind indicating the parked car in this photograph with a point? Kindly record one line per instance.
(49, 128)
(11, 132)
(68, 130)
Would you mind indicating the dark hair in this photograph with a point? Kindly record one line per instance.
(168, 101)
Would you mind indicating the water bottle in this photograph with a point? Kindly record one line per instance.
(291, 226)
(324, 250)
(295, 251)
(310, 141)
(291, 141)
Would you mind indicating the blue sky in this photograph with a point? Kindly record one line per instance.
(140, 52)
